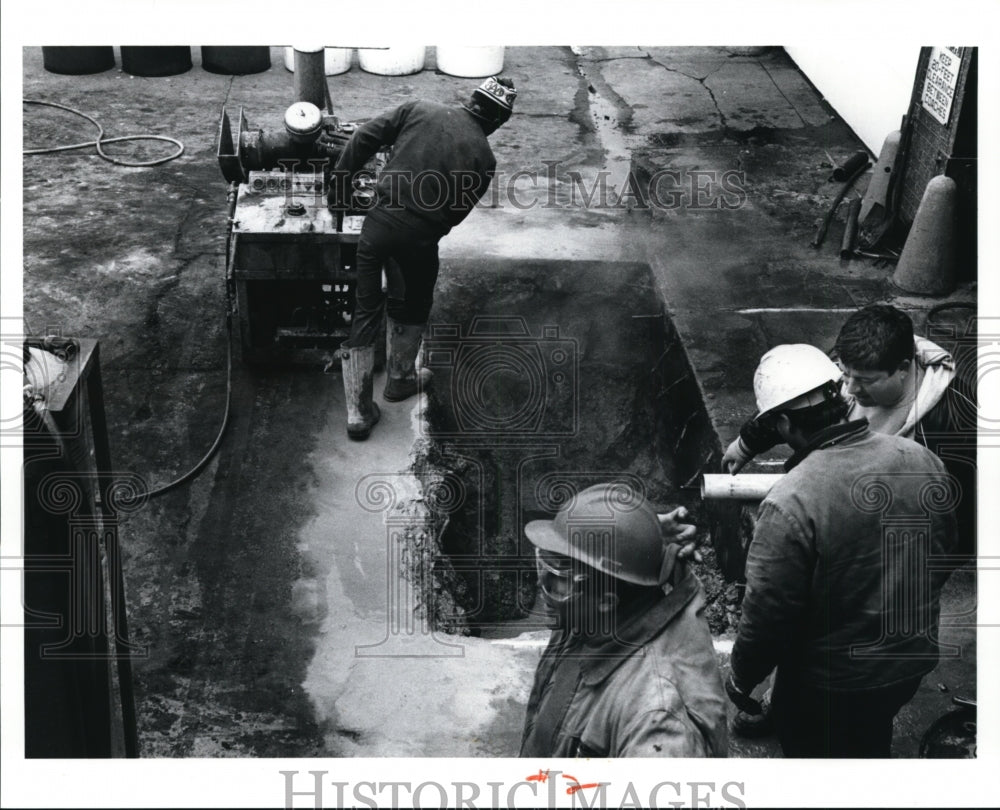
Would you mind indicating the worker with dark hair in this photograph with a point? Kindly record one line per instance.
(903, 385)
(440, 166)
(630, 670)
(845, 606)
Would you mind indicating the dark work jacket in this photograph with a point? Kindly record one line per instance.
(440, 166)
(948, 427)
(842, 590)
(652, 690)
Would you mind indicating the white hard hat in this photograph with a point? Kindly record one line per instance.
(794, 375)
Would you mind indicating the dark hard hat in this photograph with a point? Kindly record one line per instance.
(609, 527)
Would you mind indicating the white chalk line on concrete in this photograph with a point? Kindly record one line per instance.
(766, 310)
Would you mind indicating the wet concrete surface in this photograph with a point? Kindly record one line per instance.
(251, 587)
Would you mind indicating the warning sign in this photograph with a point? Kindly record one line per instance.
(939, 84)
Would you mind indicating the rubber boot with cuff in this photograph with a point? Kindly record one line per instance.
(402, 379)
(357, 365)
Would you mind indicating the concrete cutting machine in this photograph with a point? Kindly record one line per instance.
(290, 259)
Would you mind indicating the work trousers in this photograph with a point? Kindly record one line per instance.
(812, 722)
(410, 258)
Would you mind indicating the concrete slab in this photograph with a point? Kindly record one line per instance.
(700, 61)
(661, 99)
(747, 99)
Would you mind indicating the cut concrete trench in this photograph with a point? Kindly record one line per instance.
(548, 377)
(298, 632)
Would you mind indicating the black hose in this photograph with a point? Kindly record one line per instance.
(102, 140)
(194, 471)
(949, 305)
(825, 225)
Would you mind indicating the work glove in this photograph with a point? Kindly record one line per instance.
(741, 698)
(736, 457)
(683, 534)
(331, 142)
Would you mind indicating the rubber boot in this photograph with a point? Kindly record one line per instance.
(403, 380)
(357, 365)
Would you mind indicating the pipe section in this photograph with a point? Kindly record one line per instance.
(310, 76)
(745, 487)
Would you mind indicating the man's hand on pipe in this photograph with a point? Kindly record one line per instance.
(676, 531)
(735, 458)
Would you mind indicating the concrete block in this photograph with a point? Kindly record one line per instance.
(927, 264)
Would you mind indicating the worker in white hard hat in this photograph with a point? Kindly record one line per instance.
(630, 670)
(440, 166)
(797, 367)
(838, 598)
(902, 384)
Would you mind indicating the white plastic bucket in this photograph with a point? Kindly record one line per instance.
(335, 60)
(394, 61)
(470, 61)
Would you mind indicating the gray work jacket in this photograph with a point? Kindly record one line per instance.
(652, 691)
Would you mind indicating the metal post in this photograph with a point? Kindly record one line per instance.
(123, 654)
(310, 76)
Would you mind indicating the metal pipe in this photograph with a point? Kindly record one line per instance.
(745, 487)
(266, 150)
(849, 166)
(310, 76)
(850, 239)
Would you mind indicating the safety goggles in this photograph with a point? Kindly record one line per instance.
(556, 576)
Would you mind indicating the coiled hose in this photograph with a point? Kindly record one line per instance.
(101, 140)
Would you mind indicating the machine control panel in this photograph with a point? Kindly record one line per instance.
(281, 182)
(279, 202)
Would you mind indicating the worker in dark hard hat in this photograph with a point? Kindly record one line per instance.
(841, 595)
(440, 166)
(630, 670)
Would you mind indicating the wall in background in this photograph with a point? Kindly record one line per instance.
(869, 90)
